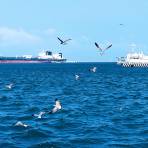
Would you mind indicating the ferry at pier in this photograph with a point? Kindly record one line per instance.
(134, 59)
(43, 57)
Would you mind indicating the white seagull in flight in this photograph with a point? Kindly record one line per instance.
(102, 50)
(39, 115)
(9, 86)
(77, 77)
(19, 123)
(93, 69)
(63, 42)
(57, 106)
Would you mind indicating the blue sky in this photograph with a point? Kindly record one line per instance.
(28, 26)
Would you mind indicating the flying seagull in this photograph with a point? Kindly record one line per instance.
(77, 77)
(39, 115)
(9, 86)
(63, 42)
(102, 50)
(19, 123)
(57, 107)
(93, 69)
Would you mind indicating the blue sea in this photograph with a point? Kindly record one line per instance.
(106, 109)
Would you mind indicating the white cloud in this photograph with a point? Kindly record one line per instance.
(85, 38)
(50, 31)
(16, 36)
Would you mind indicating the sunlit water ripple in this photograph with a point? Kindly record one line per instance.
(108, 108)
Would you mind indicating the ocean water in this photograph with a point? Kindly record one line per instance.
(108, 108)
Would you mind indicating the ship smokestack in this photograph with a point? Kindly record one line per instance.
(61, 55)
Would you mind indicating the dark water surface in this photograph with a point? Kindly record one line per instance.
(108, 108)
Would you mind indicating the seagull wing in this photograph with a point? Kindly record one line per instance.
(18, 123)
(108, 47)
(35, 115)
(67, 40)
(98, 46)
(55, 109)
(60, 40)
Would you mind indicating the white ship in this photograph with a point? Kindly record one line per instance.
(43, 57)
(134, 59)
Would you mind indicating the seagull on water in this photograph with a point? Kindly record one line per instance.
(39, 115)
(9, 86)
(93, 69)
(63, 42)
(77, 77)
(57, 106)
(19, 123)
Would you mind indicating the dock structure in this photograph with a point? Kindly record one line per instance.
(133, 60)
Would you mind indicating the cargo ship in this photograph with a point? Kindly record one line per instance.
(43, 57)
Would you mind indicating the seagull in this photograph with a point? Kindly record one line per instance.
(63, 42)
(93, 69)
(77, 77)
(57, 106)
(39, 115)
(9, 86)
(19, 123)
(102, 49)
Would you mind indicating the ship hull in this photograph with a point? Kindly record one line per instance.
(21, 61)
(30, 61)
